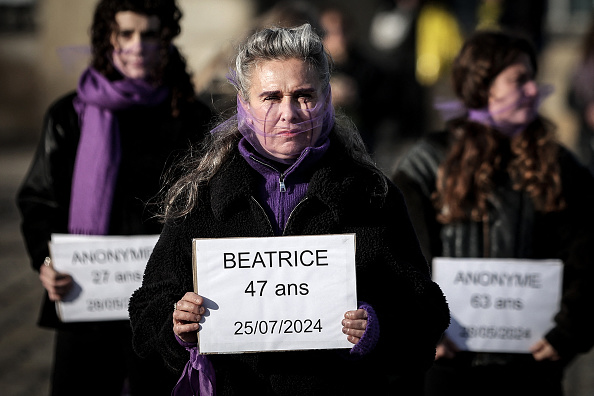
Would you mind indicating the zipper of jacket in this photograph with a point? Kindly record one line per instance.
(281, 178)
(282, 188)
(268, 220)
(293, 211)
(264, 213)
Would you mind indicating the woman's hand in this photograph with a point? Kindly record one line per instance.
(186, 315)
(446, 349)
(354, 325)
(542, 350)
(57, 284)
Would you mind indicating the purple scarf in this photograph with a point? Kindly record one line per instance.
(455, 108)
(485, 117)
(99, 153)
(198, 377)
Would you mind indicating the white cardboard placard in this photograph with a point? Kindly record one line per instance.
(106, 270)
(499, 305)
(277, 293)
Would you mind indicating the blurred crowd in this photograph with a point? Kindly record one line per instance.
(386, 69)
(392, 57)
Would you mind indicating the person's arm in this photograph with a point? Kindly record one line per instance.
(419, 301)
(393, 277)
(415, 177)
(167, 278)
(44, 195)
(574, 229)
(422, 214)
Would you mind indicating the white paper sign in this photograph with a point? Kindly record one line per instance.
(278, 293)
(499, 305)
(106, 271)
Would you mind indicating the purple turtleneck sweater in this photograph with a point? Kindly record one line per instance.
(282, 186)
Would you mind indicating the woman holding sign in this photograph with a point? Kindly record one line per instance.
(496, 184)
(285, 165)
(100, 158)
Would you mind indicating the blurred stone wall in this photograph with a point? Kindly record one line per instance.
(38, 66)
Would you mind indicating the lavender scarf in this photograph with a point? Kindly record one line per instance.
(99, 153)
(455, 108)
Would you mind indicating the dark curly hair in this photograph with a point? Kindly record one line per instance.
(480, 156)
(173, 68)
(482, 57)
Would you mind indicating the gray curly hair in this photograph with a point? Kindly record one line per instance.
(199, 166)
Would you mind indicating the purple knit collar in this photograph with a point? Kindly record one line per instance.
(265, 166)
(281, 188)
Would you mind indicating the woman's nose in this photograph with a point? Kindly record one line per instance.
(288, 110)
(530, 88)
(134, 45)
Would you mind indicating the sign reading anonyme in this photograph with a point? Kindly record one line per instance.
(499, 305)
(106, 270)
(278, 293)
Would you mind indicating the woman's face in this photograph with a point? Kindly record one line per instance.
(513, 92)
(136, 44)
(281, 97)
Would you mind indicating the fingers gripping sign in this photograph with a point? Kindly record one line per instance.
(186, 314)
(542, 350)
(354, 325)
(57, 284)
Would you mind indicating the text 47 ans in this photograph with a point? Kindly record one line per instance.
(256, 289)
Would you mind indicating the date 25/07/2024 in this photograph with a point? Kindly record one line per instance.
(284, 326)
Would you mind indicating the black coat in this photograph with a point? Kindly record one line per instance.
(392, 276)
(516, 230)
(150, 139)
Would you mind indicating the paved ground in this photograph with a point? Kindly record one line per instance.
(25, 349)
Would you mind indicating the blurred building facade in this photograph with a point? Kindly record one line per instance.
(44, 43)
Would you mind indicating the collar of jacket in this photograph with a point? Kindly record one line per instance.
(339, 183)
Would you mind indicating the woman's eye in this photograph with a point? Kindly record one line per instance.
(523, 79)
(151, 34)
(304, 97)
(126, 34)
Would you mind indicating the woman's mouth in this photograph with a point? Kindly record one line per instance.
(289, 132)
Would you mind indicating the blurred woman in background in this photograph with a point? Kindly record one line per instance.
(496, 184)
(99, 161)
